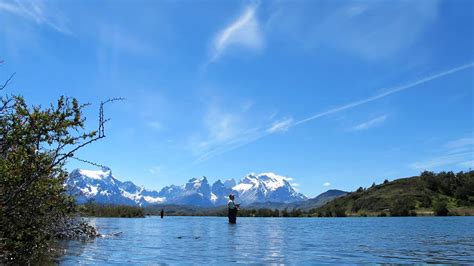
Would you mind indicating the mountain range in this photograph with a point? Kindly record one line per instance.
(102, 187)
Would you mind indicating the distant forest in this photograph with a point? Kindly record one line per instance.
(100, 210)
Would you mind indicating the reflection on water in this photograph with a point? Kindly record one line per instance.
(285, 240)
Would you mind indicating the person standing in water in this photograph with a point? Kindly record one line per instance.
(162, 213)
(232, 208)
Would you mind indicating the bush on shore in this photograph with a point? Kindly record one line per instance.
(35, 143)
(440, 208)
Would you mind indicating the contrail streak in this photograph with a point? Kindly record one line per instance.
(385, 94)
(249, 138)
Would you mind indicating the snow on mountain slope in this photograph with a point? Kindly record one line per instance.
(266, 187)
(195, 192)
(102, 187)
(221, 191)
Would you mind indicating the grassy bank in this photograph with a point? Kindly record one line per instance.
(441, 194)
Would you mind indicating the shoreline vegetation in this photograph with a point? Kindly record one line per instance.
(106, 210)
(36, 142)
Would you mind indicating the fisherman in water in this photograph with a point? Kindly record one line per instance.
(232, 209)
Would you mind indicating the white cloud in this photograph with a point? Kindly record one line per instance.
(155, 170)
(37, 12)
(246, 106)
(224, 130)
(372, 30)
(222, 125)
(280, 125)
(459, 152)
(327, 184)
(371, 123)
(114, 38)
(444, 160)
(155, 125)
(460, 143)
(227, 131)
(244, 32)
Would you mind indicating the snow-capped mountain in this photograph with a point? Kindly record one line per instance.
(102, 187)
(266, 187)
(195, 192)
(221, 190)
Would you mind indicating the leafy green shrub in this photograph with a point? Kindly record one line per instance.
(440, 208)
(35, 144)
(339, 212)
(402, 207)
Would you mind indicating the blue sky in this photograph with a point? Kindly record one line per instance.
(333, 94)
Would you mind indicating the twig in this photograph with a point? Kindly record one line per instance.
(89, 162)
(7, 81)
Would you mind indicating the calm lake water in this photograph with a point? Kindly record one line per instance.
(277, 240)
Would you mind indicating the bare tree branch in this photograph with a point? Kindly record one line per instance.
(7, 81)
(88, 162)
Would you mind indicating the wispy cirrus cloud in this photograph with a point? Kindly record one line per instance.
(224, 140)
(371, 123)
(224, 130)
(460, 143)
(227, 130)
(459, 152)
(372, 30)
(155, 125)
(244, 32)
(459, 159)
(155, 170)
(280, 125)
(118, 39)
(38, 12)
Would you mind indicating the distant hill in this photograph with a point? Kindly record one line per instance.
(305, 205)
(320, 200)
(408, 196)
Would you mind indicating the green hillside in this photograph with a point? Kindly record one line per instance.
(444, 193)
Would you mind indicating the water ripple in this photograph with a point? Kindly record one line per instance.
(277, 240)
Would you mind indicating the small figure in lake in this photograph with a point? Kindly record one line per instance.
(232, 209)
(162, 213)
